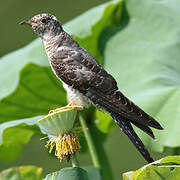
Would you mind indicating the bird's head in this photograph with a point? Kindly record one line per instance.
(44, 24)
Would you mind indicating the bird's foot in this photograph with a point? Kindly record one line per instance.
(69, 106)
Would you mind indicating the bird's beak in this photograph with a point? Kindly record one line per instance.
(29, 22)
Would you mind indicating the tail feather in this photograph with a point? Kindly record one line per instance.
(144, 128)
(129, 131)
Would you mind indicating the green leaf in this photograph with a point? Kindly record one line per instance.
(76, 173)
(103, 121)
(167, 168)
(22, 173)
(94, 22)
(29, 88)
(14, 134)
(33, 96)
(73, 173)
(143, 56)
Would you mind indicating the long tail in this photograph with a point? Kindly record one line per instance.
(129, 131)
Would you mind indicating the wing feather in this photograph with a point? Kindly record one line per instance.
(81, 71)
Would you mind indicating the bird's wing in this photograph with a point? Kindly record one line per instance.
(84, 74)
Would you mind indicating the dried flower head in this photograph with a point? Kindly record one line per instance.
(65, 144)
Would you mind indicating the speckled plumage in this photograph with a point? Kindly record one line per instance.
(87, 82)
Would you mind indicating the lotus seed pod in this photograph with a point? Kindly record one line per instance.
(59, 122)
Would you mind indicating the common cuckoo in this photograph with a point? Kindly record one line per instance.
(86, 82)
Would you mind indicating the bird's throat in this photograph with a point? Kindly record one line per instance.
(50, 43)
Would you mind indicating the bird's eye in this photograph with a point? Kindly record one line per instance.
(44, 21)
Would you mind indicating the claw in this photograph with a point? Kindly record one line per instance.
(69, 106)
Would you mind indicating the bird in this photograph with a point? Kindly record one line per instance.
(87, 82)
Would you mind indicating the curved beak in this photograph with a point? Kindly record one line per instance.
(29, 22)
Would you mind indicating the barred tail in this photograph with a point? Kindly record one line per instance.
(129, 131)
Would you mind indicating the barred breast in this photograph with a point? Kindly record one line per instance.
(75, 97)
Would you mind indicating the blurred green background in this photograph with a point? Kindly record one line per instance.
(122, 155)
(13, 36)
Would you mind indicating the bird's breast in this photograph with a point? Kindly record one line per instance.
(75, 97)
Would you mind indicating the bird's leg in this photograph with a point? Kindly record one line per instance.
(69, 106)
(77, 116)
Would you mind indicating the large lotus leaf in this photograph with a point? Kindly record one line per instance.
(14, 134)
(37, 92)
(28, 86)
(144, 57)
(22, 173)
(167, 168)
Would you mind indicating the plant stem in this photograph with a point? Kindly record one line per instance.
(74, 161)
(91, 145)
(96, 149)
